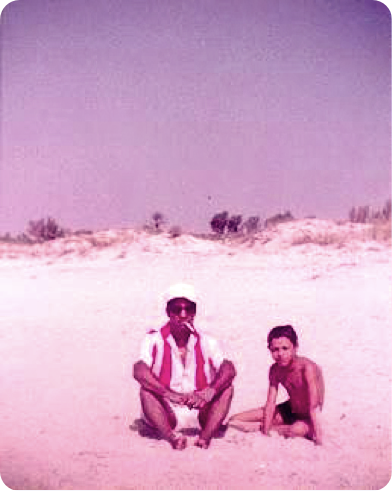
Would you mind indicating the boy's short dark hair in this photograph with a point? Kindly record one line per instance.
(283, 332)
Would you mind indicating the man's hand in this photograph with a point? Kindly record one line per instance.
(200, 398)
(177, 398)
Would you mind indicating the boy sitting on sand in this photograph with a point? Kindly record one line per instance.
(303, 380)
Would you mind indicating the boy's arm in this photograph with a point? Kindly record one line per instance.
(314, 403)
(269, 408)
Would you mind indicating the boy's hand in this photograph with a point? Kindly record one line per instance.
(317, 441)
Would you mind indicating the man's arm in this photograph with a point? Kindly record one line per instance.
(223, 379)
(314, 403)
(148, 381)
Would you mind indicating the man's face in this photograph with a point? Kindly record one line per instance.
(282, 351)
(181, 311)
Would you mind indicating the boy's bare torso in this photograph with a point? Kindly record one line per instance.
(293, 380)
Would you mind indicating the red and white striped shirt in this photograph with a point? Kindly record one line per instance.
(203, 359)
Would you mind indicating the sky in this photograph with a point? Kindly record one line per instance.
(112, 110)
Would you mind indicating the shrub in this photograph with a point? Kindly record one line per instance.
(175, 232)
(43, 230)
(360, 214)
(364, 214)
(233, 223)
(319, 238)
(158, 220)
(24, 239)
(83, 232)
(7, 238)
(251, 225)
(219, 222)
(278, 218)
(386, 211)
(381, 231)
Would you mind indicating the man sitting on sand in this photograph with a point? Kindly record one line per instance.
(182, 371)
(303, 380)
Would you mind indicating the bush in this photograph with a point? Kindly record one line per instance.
(364, 214)
(233, 223)
(319, 238)
(251, 225)
(158, 220)
(279, 218)
(360, 214)
(7, 238)
(386, 211)
(175, 232)
(24, 239)
(219, 222)
(381, 231)
(83, 232)
(43, 230)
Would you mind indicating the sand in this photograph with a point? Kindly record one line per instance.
(71, 327)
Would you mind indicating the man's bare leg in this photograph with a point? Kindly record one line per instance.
(160, 416)
(212, 416)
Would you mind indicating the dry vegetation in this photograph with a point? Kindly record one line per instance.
(378, 231)
(45, 238)
(120, 243)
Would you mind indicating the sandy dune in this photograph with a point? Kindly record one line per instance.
(71, 326)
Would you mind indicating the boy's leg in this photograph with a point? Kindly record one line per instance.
(299, 428)
(212, 416)
(287, 424)
(160, 415)
(248, 420)
(252, 420)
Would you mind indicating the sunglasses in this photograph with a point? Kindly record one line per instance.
(177, 309)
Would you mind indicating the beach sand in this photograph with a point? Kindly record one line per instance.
(71, 326)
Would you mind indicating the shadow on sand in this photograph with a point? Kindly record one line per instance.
(147, 431)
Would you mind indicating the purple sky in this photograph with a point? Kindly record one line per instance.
(114, 109)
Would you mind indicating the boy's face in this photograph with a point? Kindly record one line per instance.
(283, 351)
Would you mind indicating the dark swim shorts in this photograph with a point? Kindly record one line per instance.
(286, 412)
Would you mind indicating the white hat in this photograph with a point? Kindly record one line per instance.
(181, 290)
